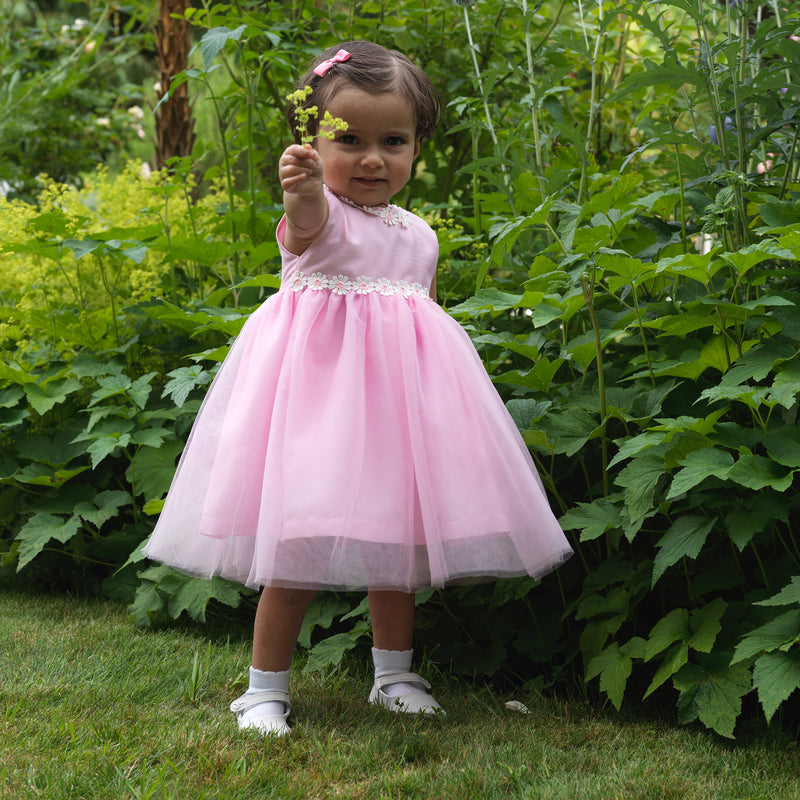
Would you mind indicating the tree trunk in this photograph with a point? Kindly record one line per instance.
(174, 123)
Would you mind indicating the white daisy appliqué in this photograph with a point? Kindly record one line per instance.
(341, 284)
(318, 281)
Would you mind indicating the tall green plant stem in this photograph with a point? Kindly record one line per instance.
(712, 85)
(593, 94)
(719, 122)
(173, 278)
(476, 205)
(251, 81)
(229, 186)
(588, 299)
(111, 291)
(537, 146)
(789, 162)
(739, 77)
(489, 123)
(636, 310)
(681, 188)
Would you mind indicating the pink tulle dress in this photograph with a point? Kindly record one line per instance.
(352, 438)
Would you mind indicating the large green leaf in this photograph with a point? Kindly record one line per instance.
(757, 472)
(775, 677)
(671, 73)
(612, 602)
(215, 40)
(324, 608)
(705, 625)
(538, 377)
(110, 386)
(593, 519)
(193, 595)
(569, 430)
(783, 446)
(755, 515)
(777, 634)
(183, 380)
(39, 530)
(697, 466)
(43, 475)
(712, 691)
(147, 601)
(673, 661)
(330, 651)
(788, 596)
(685, 538)
(786, 385)
(487, 300)
(525, 411)
(629, 270)
(746, 258)
(698, 629)
(697, 266)
(105, 506)
(674, 627)
(614, 666)
(636, 444)
(54, 451)
(140, 389)
(43, 396)
(105, 446)
(153, 468)
(150, 437)
(640, 478)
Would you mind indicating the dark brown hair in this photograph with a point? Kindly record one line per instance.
(374, 69)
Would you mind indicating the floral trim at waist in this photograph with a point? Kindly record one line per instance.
(341, 284)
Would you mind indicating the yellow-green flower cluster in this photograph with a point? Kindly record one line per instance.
(327, 126)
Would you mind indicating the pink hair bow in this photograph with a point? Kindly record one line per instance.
(322, 68)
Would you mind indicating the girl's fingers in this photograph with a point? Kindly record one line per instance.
(297, 164)
(299, 153)
(291, 181)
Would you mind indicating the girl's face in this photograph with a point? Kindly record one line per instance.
(371, 161)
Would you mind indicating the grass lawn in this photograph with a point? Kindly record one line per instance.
(91, 707)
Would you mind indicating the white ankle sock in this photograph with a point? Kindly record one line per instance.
(392, 662)
(266, 682)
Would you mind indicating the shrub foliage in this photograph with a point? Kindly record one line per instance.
(615, 192)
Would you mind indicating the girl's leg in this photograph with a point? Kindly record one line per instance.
(392, 620)
(393, 632)
(265, 705)
(279, 618)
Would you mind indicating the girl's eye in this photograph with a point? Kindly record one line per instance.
(347, 138)
(394, 141)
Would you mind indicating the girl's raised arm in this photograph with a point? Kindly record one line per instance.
(300, 172)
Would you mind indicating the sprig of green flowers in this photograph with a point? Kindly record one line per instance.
(327, 126)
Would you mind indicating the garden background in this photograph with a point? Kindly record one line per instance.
(615, 190)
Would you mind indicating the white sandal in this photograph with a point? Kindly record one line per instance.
(266, 724)
(415, 701)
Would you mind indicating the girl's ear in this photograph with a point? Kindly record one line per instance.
(416, 146)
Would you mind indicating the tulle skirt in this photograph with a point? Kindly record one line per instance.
(351, 442)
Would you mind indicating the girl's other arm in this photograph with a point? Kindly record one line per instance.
(433, 289)
(300, 172)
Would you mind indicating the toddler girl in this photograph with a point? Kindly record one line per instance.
(352, 438)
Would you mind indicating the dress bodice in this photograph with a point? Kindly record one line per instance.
(360, 249)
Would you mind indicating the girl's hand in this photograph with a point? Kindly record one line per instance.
(300, 170)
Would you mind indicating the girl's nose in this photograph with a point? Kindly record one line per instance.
(372, 158)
